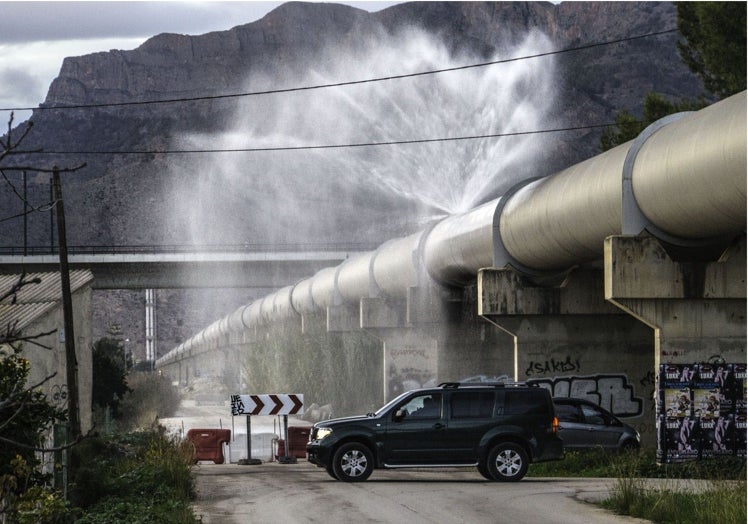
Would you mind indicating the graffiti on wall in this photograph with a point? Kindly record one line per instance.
(405, 379)
(610, 391)
(60, 395)
(552, 365)
(410, 367)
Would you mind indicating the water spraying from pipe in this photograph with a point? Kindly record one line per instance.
(376, 192)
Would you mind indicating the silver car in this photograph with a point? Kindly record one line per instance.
(585, 425)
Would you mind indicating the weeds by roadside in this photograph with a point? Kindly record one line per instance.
(717, 496)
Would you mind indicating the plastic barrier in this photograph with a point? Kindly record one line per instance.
(209, 443)
(298, 436)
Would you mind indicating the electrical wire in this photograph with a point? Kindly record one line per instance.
(43, 208)
(341, 84)
(325, 146)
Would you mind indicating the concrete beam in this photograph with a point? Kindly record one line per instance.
(505, 292)
(697, 309)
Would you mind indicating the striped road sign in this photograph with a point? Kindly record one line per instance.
(284, 404)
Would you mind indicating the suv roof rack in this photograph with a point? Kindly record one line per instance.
(455, 385)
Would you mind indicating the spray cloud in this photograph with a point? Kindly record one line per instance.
(320, 193)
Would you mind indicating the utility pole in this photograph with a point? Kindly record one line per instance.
(71, 362)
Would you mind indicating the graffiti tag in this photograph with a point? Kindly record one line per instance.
(612, 392)
(553, 366)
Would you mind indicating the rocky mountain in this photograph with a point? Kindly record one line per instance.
(143, 184)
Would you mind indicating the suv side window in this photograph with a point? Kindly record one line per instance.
(423, 406)
(471, 404)
(525, 402)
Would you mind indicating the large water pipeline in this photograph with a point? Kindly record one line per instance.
(582, 205)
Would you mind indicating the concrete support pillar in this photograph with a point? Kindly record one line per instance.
(409, 358)
(569, 340)
(315, 322)
(471, 349)
(343, 318)
(697, 309)
(435, 336)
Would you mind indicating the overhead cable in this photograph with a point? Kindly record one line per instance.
(322, 146)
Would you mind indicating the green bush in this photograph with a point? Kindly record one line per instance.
(142, 477)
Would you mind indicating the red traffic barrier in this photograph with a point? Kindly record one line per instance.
(209, 443)
(298, 436)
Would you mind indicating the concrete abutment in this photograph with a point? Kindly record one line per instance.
(570, 341)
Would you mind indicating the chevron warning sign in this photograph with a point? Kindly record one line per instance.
(281, 404)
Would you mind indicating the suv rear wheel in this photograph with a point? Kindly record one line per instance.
(507, 462)
(353, 462)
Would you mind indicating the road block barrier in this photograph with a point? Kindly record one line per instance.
(209, 443)
(298, 436)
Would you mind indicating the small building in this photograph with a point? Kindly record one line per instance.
(35, 310)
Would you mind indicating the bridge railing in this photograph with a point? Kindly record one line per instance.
(188, 248)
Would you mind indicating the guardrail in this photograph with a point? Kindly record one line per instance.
(187, 248)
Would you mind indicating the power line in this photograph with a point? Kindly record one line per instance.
(42, 208)
(348, 83)
(325, 146)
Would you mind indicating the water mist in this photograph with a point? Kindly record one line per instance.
(348, 193)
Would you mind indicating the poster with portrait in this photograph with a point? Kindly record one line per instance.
(679, 439)
(701, 410)
(675, 395)
(716, 436)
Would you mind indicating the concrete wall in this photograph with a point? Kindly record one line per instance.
(45, 362)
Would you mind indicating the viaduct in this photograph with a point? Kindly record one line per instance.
(584, 281)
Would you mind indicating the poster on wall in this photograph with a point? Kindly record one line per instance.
(701, 411)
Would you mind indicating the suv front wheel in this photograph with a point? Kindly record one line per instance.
(507, 462)
(353, 462)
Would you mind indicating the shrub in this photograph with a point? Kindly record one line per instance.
(151, 397)
(142, 477)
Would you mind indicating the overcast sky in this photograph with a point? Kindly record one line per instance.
(36, 36)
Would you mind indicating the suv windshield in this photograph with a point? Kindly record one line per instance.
(390, 404)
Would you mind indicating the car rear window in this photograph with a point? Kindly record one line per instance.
(567, 413)
(472, 404)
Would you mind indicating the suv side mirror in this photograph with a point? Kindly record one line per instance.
(400, 414)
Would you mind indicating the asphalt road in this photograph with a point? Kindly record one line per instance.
(303, 493)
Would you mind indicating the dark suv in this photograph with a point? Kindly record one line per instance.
(498, 428)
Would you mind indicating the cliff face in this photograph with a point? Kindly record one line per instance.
(130, 194)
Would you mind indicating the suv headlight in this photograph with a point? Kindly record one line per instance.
(323, 432)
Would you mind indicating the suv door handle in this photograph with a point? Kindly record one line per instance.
(439, 425)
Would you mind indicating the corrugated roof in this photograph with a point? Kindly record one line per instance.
(34, 300)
